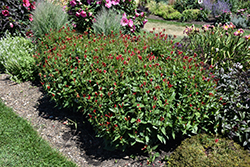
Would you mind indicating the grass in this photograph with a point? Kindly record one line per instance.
(20, 145)
(184, 24)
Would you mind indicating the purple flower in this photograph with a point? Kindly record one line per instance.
(99, 2)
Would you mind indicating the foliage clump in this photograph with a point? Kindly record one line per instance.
(209, 150)
(15, 16)
(16, 58)
(46, 17)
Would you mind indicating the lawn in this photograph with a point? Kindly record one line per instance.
(20, 145)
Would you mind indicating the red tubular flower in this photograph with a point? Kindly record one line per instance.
(216, 140)
(48, 87)
(139, 57)
(161, 119)
(138, 121)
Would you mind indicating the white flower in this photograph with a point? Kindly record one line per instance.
(200, 1)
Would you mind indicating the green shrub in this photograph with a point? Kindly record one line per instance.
(182, 5)
(207, 150)
(190, 14)
(107, 22)
(15, 17)
(16, 58)
(134, 90)
(221, 46)
(47, 16)
(173, 16)
(84, 12)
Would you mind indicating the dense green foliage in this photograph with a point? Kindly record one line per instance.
(205, 150)
(16, 58)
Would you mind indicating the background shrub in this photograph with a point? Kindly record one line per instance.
(84, 13)
(221, 52)
(16, 58)
(15, 16)
(209, 150)
(47, 16)
(134, 90)
(234, 90)
(182, 5)
(190, 14)
(107, 22)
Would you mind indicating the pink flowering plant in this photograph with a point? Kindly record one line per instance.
(15, 16)
(83, 13)
(135, 90)
(220, 45)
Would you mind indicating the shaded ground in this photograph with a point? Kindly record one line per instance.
(78, 143)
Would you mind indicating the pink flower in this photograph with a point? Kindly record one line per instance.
(115, 2)
(90, 13)
(33, 5)
(77, 14)
(137, 14)
(108, 3)
(247, 37)
(124, 15)
(145, 21)
(124, 21)
(5, 12)
(225, 27)
(130, 23)
(73, 3)
(83, 14)
(26, 3)
(238, 32)
(99, 2)
(11, 25)
(142, 14)
(30, 17)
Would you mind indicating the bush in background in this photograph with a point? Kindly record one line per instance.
(84, 13)
(46, 17)
(107, 22)
(209, 150)
(234, 91)
(15, 16)
(224, 51)
(16, 58)
(190, 14)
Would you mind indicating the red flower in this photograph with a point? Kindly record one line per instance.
(154, 106)
(216, 140)
(48, 87)
(211, 94)
(138, 120)
(161, 119)
(145, 66)
(90, 115)
(184, 67)
(139, 57)
(190, 105)
(94, 111)
(53, 94)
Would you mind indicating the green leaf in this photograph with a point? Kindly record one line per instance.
(163, 130)
(147, 139)
(139, 140)
(133, 120)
